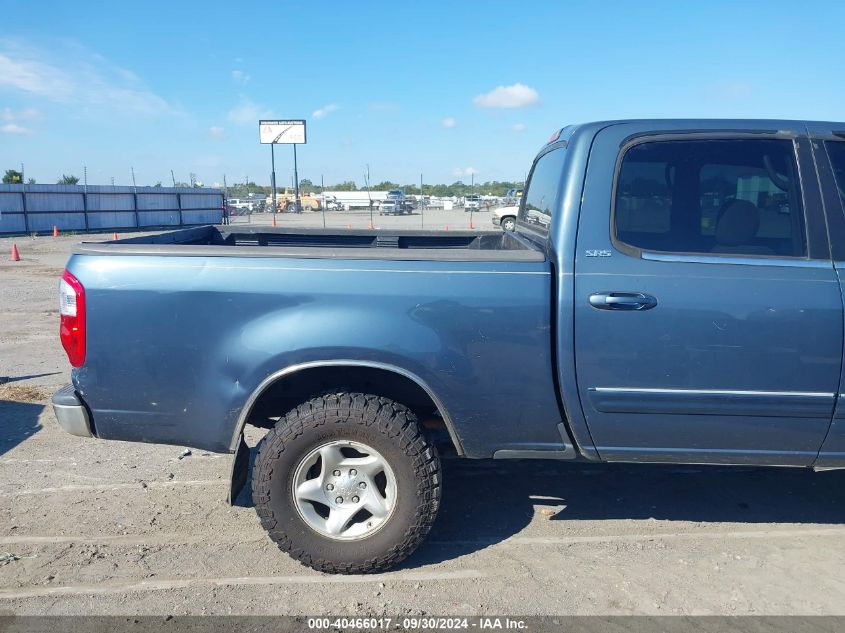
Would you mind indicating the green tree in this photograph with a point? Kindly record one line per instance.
(30, 181)
(243, 189)
(68, 180)
(347, 185)
(12, 177)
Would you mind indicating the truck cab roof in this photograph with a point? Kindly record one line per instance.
(585, 130)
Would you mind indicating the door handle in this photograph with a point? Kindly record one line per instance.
(622, 301)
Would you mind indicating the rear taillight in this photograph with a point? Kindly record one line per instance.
(72, 309)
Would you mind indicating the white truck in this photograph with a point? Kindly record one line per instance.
(396, 203)
(472, 202)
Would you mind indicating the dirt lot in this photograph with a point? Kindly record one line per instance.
(115, 528)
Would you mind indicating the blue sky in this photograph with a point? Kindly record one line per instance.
(439, 88)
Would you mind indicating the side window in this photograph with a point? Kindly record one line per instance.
(539, 199)
(722, 197)
(836, 151)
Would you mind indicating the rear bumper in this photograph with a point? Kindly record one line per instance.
(71, 413)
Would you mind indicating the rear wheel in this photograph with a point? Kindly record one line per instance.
(347, 483)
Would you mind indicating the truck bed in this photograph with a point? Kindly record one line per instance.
(221, 241)
(182, 327)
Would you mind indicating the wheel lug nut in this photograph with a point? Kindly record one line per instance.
(329, 486)
(339, 500)
(362, 485)
(353, 472)
(355, 499)
(336, 473)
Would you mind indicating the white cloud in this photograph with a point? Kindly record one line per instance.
(448, 123)
(27, 114)
(325, 111)
(519, 127)
(29, 75)
(240, 77)
(247, 112)
(70, 74)
(458, 172)
(216, 131)
(14, 128)
(13, 117)
(515, 96)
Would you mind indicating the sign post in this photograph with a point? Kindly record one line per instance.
(282, 132)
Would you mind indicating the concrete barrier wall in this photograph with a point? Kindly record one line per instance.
(38, 208)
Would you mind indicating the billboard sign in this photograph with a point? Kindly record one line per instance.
(291, 132)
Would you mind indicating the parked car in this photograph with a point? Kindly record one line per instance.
(505, 217)
(693, 270)
(472, 202)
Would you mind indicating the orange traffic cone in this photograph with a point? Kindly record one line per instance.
(115, 236)
(55, 231)
(348, 226)
(470, 225)
(447, 227)
(16, 256)
(274, 219)
(370, 225)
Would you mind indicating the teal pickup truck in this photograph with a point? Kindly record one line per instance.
(671, 291)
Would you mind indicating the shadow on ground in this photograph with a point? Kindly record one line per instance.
(485, 502)
(18, 422)
(10, 379)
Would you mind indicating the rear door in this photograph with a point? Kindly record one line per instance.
(708, 321)
(829, 153)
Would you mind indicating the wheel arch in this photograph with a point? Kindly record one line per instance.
(401, 378)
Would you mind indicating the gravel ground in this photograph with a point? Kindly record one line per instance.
(116, 528)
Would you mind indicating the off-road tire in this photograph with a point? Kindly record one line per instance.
(387, 426)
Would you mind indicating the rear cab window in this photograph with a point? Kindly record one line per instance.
(721, 197)
(538, 202)
(836, 153)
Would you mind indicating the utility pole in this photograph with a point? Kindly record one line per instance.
(296, 181)
(172, 177)
(369, 197)
(472, 191)
(23, 175)
(273, 174)
(323, 193)
(134, 186)
(422, 203)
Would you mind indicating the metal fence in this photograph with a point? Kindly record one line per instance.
(38, 208)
